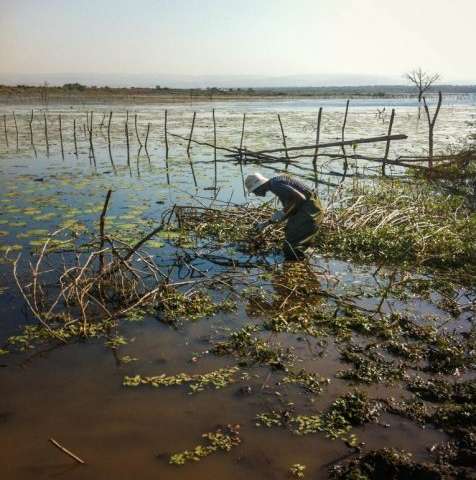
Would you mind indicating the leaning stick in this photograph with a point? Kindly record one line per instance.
(65, 450)
(191, 133)
(91, 146)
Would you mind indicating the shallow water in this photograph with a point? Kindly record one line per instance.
(75, 394)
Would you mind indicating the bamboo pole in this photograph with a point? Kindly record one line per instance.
(318, 134)
(5, 128)
(61, 135)
(191, 133)
(165, 134)
(16, 128)
(387, 145)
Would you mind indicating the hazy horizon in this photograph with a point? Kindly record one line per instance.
(328, 42)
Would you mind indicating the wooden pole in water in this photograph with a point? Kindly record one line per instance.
(91, 146)
(343, 132)
(431, 126)
(127, 143)
(102, 221)
(165, 133)
(318, 134)
(242, 135)
(109, 128)
(74, 137)
(191, 133)
(215, 146)
(387, 145)
(16, 128)
(147, 136)
(137, 133)
(46, 135)
(284, 137)
(31, 128)
(5, 128)
(61, 135)
(102, 121)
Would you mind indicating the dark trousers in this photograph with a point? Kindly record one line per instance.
(302, 228)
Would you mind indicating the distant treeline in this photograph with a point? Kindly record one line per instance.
(344, 91)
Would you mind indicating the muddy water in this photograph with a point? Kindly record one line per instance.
(75, 394)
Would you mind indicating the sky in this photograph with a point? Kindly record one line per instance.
(380, 39)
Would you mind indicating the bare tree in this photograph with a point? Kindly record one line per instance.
(422, 81)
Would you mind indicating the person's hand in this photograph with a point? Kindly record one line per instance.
(278, 216)
(260, 226)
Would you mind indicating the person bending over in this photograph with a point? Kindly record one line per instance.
(301, 208)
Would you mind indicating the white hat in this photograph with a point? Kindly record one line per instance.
(255, 180)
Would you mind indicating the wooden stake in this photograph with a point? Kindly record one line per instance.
(147, 137)
(46, 135)
(284, 137)
(102, 220)
(109, 128)
(431, 126)
(127, 144)
(74, 137)
(137, 133)
(31, 128)
(318, 134)
(65, 450)
(5, 128)
(165, 134)
(61, 135)
(16, 128)
(91, 146)
(387, 145)
(343, 132)
(215, 146)
(191, 133)
(242, 135)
